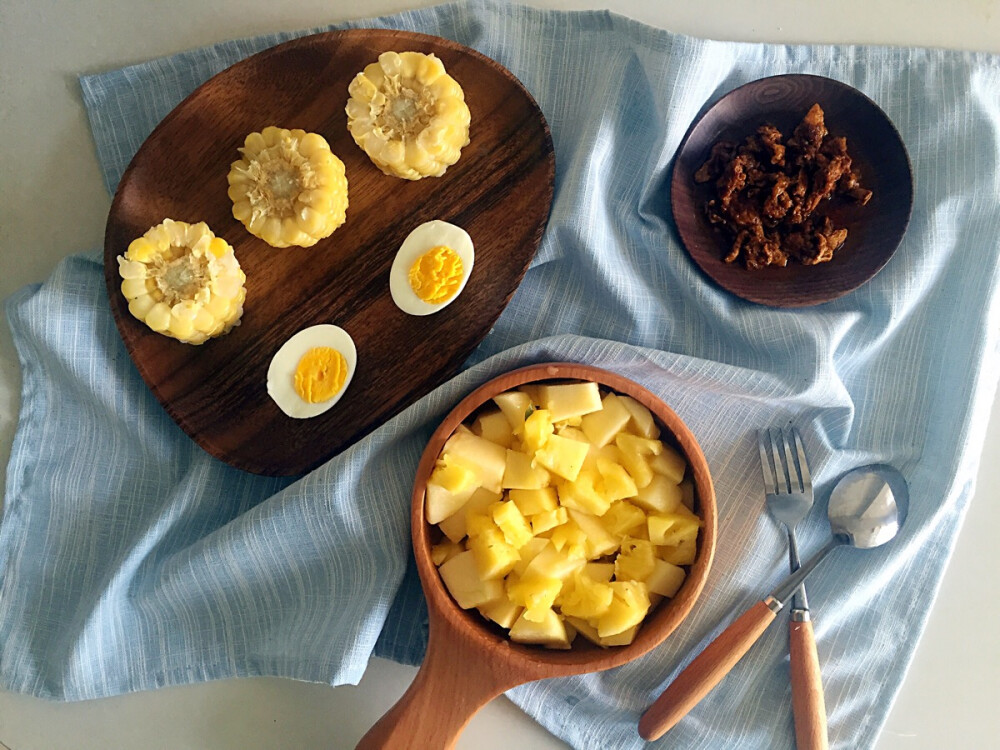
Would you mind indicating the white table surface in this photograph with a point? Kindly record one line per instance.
(52, 204)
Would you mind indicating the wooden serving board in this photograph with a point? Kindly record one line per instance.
(500, 192)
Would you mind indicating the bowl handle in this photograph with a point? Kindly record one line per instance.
(455, 680)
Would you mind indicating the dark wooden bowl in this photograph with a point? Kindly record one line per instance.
(499, 192)
(874, 230)
(469, 662)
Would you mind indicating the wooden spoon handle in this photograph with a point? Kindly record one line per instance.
(706, 671)
(807, 688)
(450, 687)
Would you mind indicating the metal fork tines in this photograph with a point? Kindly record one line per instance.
(788, 492)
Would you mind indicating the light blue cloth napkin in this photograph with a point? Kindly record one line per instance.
(130, 559)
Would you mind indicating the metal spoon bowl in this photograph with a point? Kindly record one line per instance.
(867, 508)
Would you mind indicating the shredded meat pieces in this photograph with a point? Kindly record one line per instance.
(767, 190)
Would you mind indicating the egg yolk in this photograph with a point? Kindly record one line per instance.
(320, 374)
(436, 275)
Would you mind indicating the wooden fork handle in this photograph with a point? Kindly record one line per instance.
(706, 671)
(808, 705)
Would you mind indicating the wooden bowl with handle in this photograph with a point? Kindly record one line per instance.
(469, 660)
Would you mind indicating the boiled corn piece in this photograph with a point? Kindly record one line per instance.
(183, 281)
(408, 115)
(289, 188)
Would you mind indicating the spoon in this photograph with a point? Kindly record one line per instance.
(867, 508)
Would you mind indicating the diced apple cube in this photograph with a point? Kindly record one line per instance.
(683, 553)
(582, 494)
(628, 606)
(548, 520)
(533, 502)
(515, 406)
(669, 463)
(665, 579)
(455, 526)
(521, 475)
(441, 553)
(623, 518)
(659, 496)
(503, 612)
(600, 427)
(670, 529)
(537, 429)
(440, 504)
(616, 482)
(462, 580)
(493, 426)
(562, 456)
(599, 541)
(514, 526)
(570, 400)
(548, 630)
(488, 459)
(494, 557)
(636, 561)
(623, 638)
(642, 422)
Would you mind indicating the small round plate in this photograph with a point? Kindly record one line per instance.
(874, 230)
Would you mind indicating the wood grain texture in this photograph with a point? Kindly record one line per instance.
(705, 671)
(808, 704)
(500, 192)
(874, 230)
(469, 656)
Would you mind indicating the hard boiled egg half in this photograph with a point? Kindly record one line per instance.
(431, 268)
(311, 371)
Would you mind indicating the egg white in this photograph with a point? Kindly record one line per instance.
(426, 237)
(281, 373)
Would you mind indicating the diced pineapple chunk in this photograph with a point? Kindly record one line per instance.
(562, 456)
(600, 427)
(453, 474)
(533, 502)
(623, 518)
(636, 561)
(514, 526)
(670, 529)
(515, 406)
(440, 504)
(585, 629)
(582, 494)
(503, 612)
(623, 638)
(569, 538)
(535, 593)
(548, 630)
(553, 563)
(519, 474)
(494, 557)
(669, 463)
(659, 496)
(462, 580)
(441, 553)
(455, 526)
(584, 597)
(600, 572)
(548, 520)
(639, 445)
(628, 606)
(637, 466)
(528, 553)
(642, 422)
(570, 400)
(537, 429)
(616, 483)
(488, 459)
(665, 579)
(683, 553)
(494, 427)
(599, 542)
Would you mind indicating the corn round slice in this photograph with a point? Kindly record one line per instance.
(289, 188)
(408, 115)
(183, 281)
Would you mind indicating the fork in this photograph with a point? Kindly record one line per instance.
(788, 494)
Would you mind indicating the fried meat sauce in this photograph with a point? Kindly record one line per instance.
(767, 190)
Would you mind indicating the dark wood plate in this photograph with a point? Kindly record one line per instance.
(500, 192)
(874, 230)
